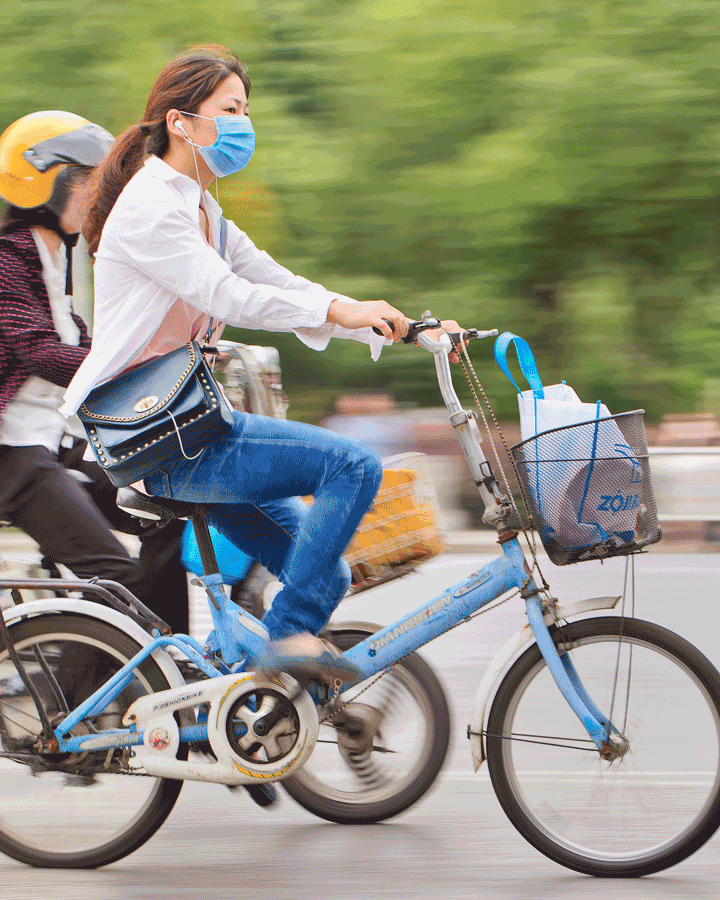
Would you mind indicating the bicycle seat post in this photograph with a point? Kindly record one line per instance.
(231, 635)
(204, 541)
(211, 578)
(163, 510)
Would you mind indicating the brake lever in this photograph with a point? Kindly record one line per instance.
(456, 337)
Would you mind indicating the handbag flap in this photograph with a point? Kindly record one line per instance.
(143, 392)
(188, 401)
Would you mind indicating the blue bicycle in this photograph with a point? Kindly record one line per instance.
(602, 734)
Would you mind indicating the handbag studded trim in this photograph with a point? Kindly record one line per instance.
(152, 408)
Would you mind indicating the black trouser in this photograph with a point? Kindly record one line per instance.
(71, 523)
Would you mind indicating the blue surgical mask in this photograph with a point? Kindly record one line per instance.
(233, 147)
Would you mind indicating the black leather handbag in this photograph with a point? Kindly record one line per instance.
(161, 411)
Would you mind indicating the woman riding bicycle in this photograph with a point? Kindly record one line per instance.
(154, 231)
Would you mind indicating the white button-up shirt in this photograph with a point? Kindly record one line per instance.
(152, 252)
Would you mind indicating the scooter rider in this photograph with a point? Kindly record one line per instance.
(45, 159)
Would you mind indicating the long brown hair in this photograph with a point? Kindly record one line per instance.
(184, 83)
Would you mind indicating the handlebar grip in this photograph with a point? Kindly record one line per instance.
(377, 330)
(457, 337)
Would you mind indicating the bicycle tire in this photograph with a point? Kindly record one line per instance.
(79, 650)
(375, 804)
(643, 813)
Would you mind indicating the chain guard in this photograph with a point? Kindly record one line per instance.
(259, 729)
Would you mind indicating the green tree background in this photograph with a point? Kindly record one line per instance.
(548, 167)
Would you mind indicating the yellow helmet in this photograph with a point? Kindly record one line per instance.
(35, 149)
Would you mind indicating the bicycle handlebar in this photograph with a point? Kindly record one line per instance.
(413, 331)
(427, 323)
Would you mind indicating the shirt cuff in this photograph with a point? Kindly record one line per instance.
(319, 337)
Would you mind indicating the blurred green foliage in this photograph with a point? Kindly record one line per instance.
(548, 167)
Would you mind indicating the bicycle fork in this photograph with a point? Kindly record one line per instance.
(561, 667)
(564, 673)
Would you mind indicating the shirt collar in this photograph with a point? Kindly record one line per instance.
(190, 189)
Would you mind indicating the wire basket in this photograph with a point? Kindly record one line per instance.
(588, 488)
(402, 527)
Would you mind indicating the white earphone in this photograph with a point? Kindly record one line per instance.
(181, 127)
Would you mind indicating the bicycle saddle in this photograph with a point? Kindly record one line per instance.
(155, 509)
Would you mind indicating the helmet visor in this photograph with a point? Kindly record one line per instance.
(86, 146)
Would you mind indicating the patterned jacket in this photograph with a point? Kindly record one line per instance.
(29, 344)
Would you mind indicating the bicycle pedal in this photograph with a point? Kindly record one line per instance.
(264, 795)
(322, 692)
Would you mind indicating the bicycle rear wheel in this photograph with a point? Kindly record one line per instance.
(383, 751)
(81, 810)
(643, 812)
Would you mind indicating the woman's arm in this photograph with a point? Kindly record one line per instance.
(370, 313)
(166, 245)
(28, 330)
(258, 266)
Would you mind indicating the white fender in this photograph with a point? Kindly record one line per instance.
(506, 657)
(60, 605)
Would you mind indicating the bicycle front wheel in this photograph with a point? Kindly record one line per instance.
(642, 812)
(73, 810)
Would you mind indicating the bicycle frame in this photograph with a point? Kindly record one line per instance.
(239, 635)
(458, 602)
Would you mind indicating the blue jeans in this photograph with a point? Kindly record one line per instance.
(255, 478)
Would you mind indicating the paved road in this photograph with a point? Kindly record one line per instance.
(456, 843)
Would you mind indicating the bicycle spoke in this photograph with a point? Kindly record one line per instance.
(538, 739)
(100, 818)
(19, 712)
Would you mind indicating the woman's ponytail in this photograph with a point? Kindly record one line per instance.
(110, 177)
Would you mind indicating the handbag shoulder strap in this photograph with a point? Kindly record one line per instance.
(528, 366)
(223, 236)
(221, 251)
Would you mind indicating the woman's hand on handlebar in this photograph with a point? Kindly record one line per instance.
(447, 325)
(374, 313)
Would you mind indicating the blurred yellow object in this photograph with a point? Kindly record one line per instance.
(35, 149)
(401, 527)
